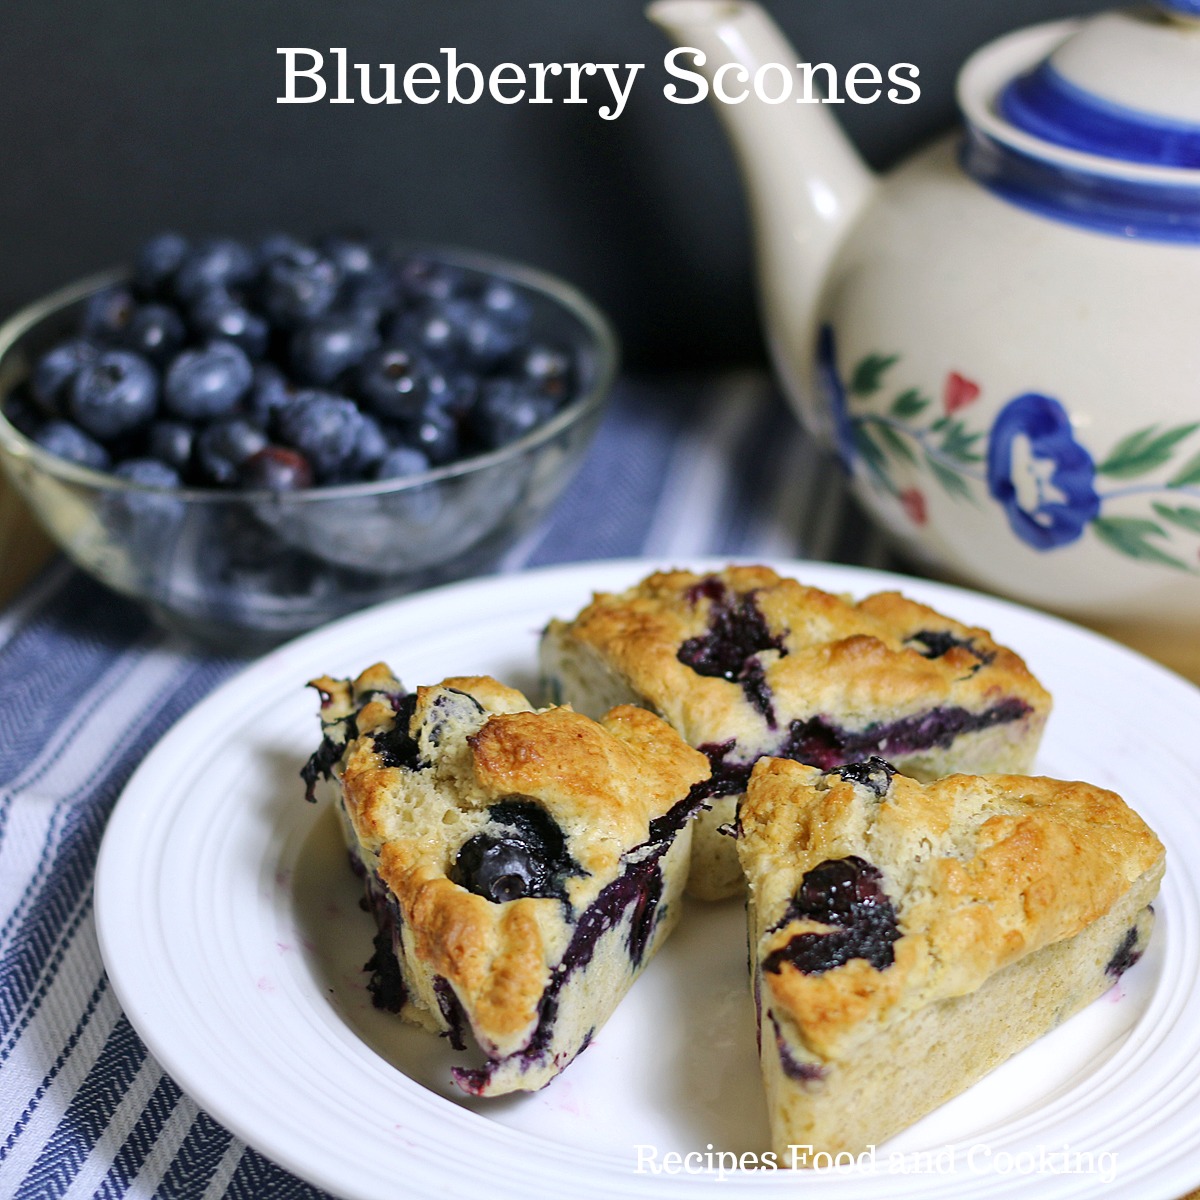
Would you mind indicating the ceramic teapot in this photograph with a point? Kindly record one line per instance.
(999, 337)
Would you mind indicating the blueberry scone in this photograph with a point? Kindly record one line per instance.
(522, 866)
(906, 938)
(744, 663)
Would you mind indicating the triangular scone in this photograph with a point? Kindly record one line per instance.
(522, 866)
(744, 663)
(905, 938)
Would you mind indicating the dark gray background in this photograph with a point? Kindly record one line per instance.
(122, 118)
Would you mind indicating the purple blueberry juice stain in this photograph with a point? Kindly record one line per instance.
(822, 744)
(737, 634)
(846, 894)
(1125, 955)
(452, 1013)
(396, 747)
(638, 887)
(793, 1068)
(934, 643)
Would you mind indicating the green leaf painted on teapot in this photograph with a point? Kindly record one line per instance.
(1048, 485)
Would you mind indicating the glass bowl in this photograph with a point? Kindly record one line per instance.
(242, 570)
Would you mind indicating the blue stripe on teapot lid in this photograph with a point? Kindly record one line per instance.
(1125, 86)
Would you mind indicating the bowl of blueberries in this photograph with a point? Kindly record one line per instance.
(254, 438)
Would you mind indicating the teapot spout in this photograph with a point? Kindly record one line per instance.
(805, 182)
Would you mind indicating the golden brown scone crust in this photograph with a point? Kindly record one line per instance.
(602, 782)
(842, 658)
(982, 871)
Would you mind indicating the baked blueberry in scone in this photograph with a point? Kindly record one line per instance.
(906, 938)
(744, 663)
(522, 866)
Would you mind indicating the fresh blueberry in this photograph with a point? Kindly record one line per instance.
(276, 468)
(508, 410)
(369, 296)
(504, 302)
(218, 314)
(107, 313)
(435, 434)
(324, 428)
(55, 371)
(401, 462)
(215, 263)
(329, 347)
(353, 256)
(299, 286)
(395, 383)
(114, 394)
(155, 331)
(549, 369)
(370, 447)
(424, 278)
(270, 391)
(439, 331)
(224, 447)
(158, 260)
(280, 245)
(148, 472)
(208, 382)
(64, 440)
(171, 442)
(452, 392)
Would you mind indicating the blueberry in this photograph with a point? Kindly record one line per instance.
(437, 331)
(55, 371)
(299, 286)
(329, 347)
(270, 391)
(508, 410)
(218, 314)
(147, 522)
(276, 468)
(394, 382)
(158, 260)
(933, 643)
(846, 894)
(874, 773)
(114, 394)
(370, 447)
(280, 245)
(353, 256)
(64, 440)
(148, 472)
(452, 392)
(325, 428)
(423, 278)
(225, 446)
(435, 435)
(549, 369)
(209, 382)
(498, 869)
(504, 302)
(106, 314)
(155, 331)
(523, 854)
(214, 263)
(400, 462)
(171, 442)
(369, 296)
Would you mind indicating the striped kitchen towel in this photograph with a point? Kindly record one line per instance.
(87, 685)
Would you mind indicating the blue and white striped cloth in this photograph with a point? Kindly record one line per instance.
(87, 685)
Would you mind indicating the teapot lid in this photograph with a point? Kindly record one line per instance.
(1124, 85)
(1093, 122)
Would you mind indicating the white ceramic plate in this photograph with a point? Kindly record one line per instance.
(229, 925)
